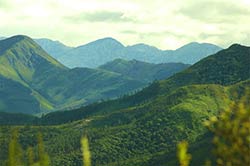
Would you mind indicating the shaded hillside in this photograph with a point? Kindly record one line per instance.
(50, 85)
(143, 135)
(227, 67)
(143, 71)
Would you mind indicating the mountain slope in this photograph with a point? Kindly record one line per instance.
(54, 86)
(22, 60)
(146, 132)
(143, 71)
(14, 96)
(226, 67)
(104, 50)
(193, 52)
(55, 48)
(143, 135)
(92, 54)
(101, 51)
(143, 129)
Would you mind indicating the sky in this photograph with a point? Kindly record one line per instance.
(166, 24)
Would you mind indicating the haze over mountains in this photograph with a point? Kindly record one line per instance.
(104, 50)
(34, 82)
(101, 51)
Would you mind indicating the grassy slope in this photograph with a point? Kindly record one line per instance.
(19, 59)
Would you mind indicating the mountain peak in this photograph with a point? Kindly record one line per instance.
(107, 41)
(18, 38)
(235, 46)
(9, 42)
(143, 47)
(197, 45)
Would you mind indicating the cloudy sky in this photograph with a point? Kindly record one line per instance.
(167, 24)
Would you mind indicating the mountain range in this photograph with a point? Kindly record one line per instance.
(101, 51)
(143, 129)
(104, 50)
(34, 82)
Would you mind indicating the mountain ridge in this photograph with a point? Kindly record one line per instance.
(53, 85)
(99, 52)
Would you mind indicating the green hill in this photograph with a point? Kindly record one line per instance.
(226, 67)
(144, 71)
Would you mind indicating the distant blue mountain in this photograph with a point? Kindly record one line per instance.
(104, 50)
(54, 48)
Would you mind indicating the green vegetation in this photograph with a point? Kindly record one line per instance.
(231, 129)
(143, 129)
(142, 135)
(142, 71)
(36, 83)
(232, 134)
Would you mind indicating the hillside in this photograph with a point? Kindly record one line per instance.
(141, 135)
(41, 84)
(147, 72)
(226, 67)
(143, 129)
(22, 60)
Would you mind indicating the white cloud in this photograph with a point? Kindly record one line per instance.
(166, 24)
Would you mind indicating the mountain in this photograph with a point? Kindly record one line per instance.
(22, 60)
(92, 54)
(36, 82)
(193, 52)
(143, 129)
(99, 52)
(147, 72)
(227, 67)
(55, 48)
(104, 50)
(33, 76)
